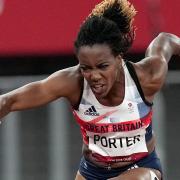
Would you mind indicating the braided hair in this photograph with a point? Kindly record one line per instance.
(111, 23)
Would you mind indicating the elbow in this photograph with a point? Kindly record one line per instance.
(164, 36)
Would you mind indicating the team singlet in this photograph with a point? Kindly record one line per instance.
(115, 134)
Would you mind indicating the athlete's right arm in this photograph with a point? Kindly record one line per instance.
(62, 83)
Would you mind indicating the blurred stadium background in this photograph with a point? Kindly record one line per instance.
(36, 39)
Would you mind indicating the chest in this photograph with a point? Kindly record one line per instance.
(127, 111)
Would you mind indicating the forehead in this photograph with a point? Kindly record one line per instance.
(94, 51)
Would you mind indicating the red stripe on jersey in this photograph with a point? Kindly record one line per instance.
(101, 117)
(93, 126)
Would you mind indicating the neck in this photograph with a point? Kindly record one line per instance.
(117, 92)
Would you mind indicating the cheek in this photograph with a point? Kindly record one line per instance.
(113, 74)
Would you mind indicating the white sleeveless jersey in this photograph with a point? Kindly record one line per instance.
(115, 133)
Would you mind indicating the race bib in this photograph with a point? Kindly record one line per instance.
(117, 144)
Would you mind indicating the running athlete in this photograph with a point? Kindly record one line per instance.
(111, 98)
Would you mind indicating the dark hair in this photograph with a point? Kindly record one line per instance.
(110, 22)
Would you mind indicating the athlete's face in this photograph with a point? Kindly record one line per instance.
(99, 67)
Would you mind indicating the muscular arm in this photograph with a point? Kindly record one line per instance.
(153, 68)
(60, 84)
(164, 46)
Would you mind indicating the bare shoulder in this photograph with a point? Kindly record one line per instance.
(65, 83)
(151, 72)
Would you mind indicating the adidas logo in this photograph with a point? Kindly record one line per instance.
(91, 111)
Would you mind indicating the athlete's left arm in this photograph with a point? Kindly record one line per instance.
(153, 68)
(164, 46)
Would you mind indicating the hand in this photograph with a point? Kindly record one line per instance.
(176, 41)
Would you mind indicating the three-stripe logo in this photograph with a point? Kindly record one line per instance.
(91, 111)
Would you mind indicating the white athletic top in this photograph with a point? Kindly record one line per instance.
(115, 133)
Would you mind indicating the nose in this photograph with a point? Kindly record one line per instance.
(95, 75)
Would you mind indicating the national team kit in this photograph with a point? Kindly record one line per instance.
(118, 133)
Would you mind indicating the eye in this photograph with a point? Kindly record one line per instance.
(84, 68)
(103, 66)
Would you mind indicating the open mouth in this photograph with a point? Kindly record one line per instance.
(98, 89)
